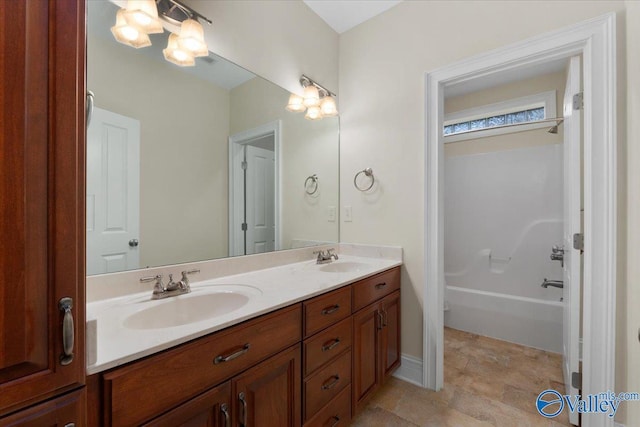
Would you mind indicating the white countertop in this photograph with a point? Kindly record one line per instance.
(110, 343)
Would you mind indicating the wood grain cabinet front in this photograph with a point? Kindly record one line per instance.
(64, 411)
(376, 335)
(42, 203)
(325, 310)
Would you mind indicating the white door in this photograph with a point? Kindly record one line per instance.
(113, 192)
(572, 276)
(259, 196)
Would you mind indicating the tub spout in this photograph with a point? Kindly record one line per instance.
(554, 283)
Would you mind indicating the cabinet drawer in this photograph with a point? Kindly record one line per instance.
(325, 310)
(325, 384)
(336, 413)
(372, 289)
(192, 368)
(326, 345)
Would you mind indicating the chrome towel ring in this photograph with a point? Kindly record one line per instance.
(367, 172)
(311, 181)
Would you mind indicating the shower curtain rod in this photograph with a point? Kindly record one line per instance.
(553, 129)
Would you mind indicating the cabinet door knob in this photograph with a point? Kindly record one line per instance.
(224, 408)
(242, 399)
(65, 305)
(330, 310)
(221, 358)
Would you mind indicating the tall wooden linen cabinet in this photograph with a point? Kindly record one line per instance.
(42, 202)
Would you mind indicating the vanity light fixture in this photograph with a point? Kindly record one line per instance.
(176, 54)
(128, 34)
(144, 15)
(191, 38)
(317, 100)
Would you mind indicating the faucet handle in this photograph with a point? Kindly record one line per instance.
(158, 288)
(185, 279)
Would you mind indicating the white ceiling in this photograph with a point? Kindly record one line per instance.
(343, 15)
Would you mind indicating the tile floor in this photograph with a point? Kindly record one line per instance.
(487, 382)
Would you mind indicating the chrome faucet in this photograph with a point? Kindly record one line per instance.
(325, 257)
(557, 254)
(173, 288)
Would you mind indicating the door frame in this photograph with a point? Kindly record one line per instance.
(236, 179)
(595, 40)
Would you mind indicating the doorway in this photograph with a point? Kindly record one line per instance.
(254, 194)
(594, 40)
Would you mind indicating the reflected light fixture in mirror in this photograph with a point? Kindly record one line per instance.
(318, 101)
(175, 54)
(144, 15)
(128, 34)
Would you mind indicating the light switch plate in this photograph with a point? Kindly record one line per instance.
(331, 214)
(347, 214)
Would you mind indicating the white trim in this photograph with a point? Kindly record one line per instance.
(236, 143)
(544, 99)
(595, 40)
(410, 370)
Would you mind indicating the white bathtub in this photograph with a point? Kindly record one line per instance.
(532, 322)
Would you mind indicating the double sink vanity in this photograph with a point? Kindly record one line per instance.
(287, 344)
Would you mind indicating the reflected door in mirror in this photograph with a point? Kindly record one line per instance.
(113, 182)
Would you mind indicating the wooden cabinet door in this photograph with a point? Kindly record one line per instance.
(41, 197)
(390, 334)
(269, 394)
(366, 372)
(211, 409)
(63, 411)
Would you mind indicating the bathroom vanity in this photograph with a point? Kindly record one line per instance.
(313, 360)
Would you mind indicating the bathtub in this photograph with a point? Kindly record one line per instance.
(528, 321)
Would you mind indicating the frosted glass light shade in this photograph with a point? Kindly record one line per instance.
(311, 96)
(295, 103)
(328, 107)
(313, 113)
(144, 15)
(192, 38)
(173, 53)
(128, 34)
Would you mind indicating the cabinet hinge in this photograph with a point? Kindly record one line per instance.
(576, 380)
(244, 226)
(578, 101)
(244, 165)
(578, 241)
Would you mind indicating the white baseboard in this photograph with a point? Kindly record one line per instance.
(410, 370)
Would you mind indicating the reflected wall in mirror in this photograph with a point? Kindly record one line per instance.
(180, 159)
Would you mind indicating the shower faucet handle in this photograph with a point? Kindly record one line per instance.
(557, 249)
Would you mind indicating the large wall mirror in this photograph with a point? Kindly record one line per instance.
(197, 163)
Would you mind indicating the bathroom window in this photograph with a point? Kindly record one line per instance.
(487, 120)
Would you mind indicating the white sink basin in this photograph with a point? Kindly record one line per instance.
(345, 267)
(201, 304)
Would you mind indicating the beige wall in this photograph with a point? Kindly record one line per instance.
(509, 141)
(632, 300)
(276, 39)
(183, 181)
(384, 128)
(308, 147)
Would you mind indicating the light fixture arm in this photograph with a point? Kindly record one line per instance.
(306, 81)
(192, 13)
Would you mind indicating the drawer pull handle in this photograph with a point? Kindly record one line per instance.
(330, 310)
(334, 344)
(65, 305)
(220, 359)
(334, 380)
(336, 421)
(242, 400)
(381, 285)
(224, 408)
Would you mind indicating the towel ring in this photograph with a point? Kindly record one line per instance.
(368, 172)
(314, 181)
